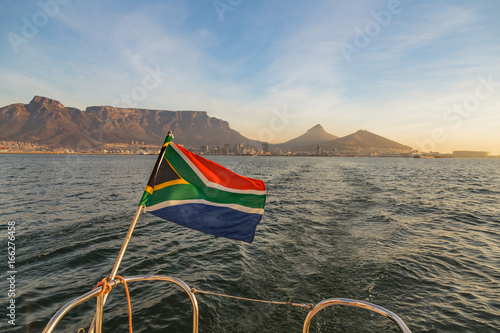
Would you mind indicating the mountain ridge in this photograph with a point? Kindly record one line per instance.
(364, 139)
(47, 121)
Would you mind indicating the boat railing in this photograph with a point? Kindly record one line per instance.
(191, 293)
(357, 304)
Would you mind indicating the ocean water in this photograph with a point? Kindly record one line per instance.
(420, 237)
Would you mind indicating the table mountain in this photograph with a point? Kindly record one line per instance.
(47, 121)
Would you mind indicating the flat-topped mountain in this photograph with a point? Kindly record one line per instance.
(313, 136)
(47, 121)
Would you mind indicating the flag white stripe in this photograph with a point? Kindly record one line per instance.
(212, 184)
(171, 203)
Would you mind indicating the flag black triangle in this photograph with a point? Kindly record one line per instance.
(165, 173)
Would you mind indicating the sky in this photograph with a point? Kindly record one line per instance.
(423, 73)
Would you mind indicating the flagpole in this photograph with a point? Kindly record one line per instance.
(132, 226)
(116, 266)
(138, 212)
(125, 243)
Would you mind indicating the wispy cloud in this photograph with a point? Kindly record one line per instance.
(262, 57)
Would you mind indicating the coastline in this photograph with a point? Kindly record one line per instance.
(257, 155)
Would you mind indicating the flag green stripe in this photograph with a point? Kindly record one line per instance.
(188, 191)
(210, 193)
(145, 198)
(196, 189)
(182, 168)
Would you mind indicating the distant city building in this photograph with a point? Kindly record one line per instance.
(265, 147)
(471, 154)
(204, 149)
(248, 150)
(227, 149)
(318, 150)
(238, 148)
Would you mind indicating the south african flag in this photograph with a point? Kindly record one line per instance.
(192, 191)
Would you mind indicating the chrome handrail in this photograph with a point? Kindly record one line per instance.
(354, 303)
(93, 293)
(321, 305)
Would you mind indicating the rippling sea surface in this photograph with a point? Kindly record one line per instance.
(420, 237)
